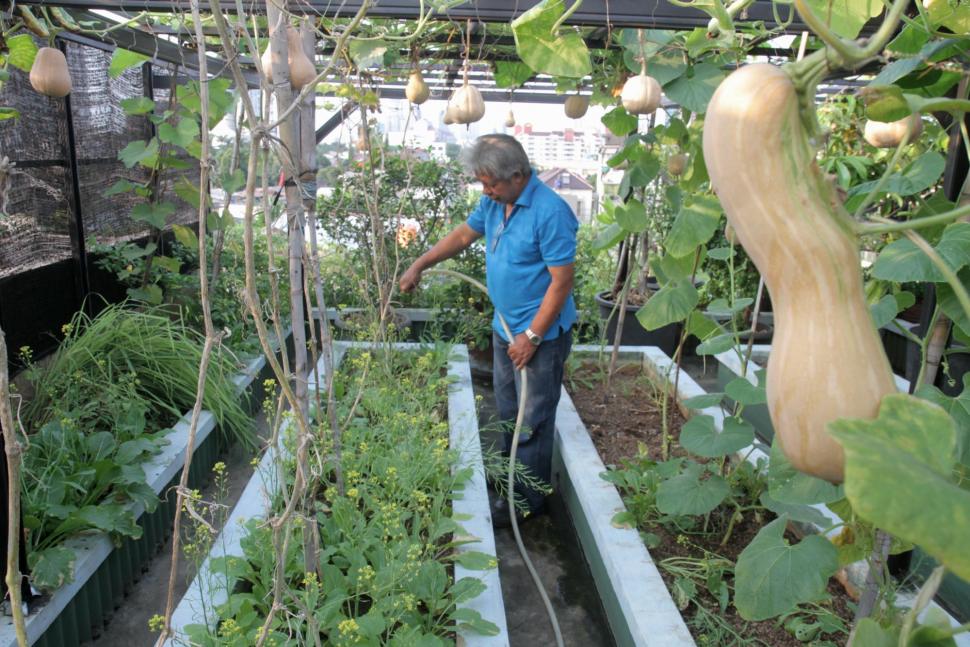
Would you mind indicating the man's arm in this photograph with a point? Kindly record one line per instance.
(458, 239)
(521, 349)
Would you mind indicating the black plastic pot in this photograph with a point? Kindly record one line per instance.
(666, 338)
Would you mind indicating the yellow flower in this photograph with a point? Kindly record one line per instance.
(348, 626)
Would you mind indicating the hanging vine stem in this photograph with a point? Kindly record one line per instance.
(211, 339)
(566, 15)
(13, 451)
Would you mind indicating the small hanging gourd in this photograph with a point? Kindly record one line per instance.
(361, 142)
(49, 74)
(301, 67)
(417, 91)
(510, 120)
(467, 103)
(576, 106)
(302, 70)
(641, 94)
(677, 164)
(889, 135)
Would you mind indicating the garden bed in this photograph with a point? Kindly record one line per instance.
(954, 593)
(208, 591)
(104, 573)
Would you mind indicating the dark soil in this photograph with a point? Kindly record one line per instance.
(627, 418)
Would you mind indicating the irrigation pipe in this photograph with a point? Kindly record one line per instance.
(523, 392)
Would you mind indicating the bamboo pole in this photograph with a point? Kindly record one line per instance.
(13, 452)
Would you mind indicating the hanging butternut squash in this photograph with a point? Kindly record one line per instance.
(49, 74)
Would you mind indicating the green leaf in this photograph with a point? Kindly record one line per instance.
(559, 54)
(51, 568)
(168, 264)
(619, 121)
(673, 302)
(884, 311)
(669, 268)
(921, 174)
(720, 253)
(632, 216)
(182, 134)
(898, 477)
(701, 327)
(21, 51)
(121, 186)
(695, 225)
(367, 53)
(665, 67)
(512, 74)
(608, 237)
(699, 436)
(846, 17)
(430, 582)
(154, 214)
(232, 182)
(188, 191)
(744, 392)
(772, 577)
(694, 89)
(372, 624)
(476, 560)
(950, 304)
(788, 485)
(699, 402)
(902, 261)
(122, 59)
(110, 517)
(687, 494)
(6, 112)
(186, 236)
(473, 620)
(137, 105)
(717, 344)
(140, 152)
(151, 294)
(795, 511)
(467, 588)
(868, 633)
(954, 246)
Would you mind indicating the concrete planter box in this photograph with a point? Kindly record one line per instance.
(104, 573)
(638, 605)
(207, 591)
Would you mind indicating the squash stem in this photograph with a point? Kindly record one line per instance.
(885, 226)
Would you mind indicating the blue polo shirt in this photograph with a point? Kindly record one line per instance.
(540, 233)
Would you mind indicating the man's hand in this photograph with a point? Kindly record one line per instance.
(521, 351)
(410, 278)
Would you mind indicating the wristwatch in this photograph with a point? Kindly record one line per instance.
(534, 339)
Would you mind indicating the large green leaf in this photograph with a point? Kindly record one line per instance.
(919, 175)
(898, 477)
(140, 152)
(111, 517)
(181, 134)
(788, 485)
(632, 216)
(950, 304)
(52, 568)
(694, 88)
(744, 392)
(122, 59)
(846, 17)
(884, 311)
(699, 436)
(619, 121)
(154, 213)
(695, 225)
(673, 302)
(902, 261)
(367, 53)
(689, 494)
(21, 51)
(773, 577)
(795, 511)
(665, 67)
(609, 236)
(559, 53)
(137, 105)
(512, 74)
(869, 633)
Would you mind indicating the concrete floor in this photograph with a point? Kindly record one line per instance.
(553, 548)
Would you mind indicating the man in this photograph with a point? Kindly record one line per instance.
(530, 247)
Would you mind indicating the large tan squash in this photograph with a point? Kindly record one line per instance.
(49, 74)
(467, 104)
(826, 358)
(417, 90)
(641, 94)
(302, 70)
(890, 134)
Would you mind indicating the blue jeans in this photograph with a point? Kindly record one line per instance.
(544, 377)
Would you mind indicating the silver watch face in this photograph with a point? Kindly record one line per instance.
(534, 339)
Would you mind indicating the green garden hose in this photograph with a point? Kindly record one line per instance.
(511, 478)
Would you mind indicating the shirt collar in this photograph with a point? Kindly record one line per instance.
(525, 198)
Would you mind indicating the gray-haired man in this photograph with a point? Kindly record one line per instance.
(530, 248)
